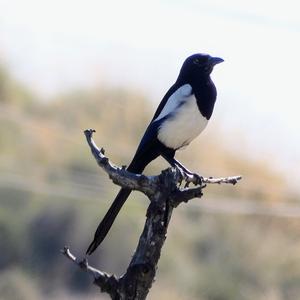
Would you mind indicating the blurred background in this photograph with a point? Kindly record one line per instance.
(70, 65)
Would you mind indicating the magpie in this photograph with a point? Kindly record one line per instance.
(180, 117)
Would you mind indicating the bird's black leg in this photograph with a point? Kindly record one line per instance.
(175, 163)
(187, 171)
(182, 167)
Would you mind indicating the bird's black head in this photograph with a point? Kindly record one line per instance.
(198, 65)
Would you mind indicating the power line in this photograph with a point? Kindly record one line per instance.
(88, 186)
(247, 207)
(208, 205)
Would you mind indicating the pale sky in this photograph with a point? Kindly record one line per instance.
(60, 44)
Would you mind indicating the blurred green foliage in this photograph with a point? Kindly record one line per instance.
(52, 194)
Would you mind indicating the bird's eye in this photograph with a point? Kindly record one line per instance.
(196, 61)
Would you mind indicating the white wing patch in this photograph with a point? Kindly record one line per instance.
(185, 122)
(176, 99)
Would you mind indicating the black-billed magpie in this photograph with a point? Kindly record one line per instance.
(180, 117)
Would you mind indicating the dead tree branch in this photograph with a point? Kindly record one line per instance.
(165, 193)
(107, 283)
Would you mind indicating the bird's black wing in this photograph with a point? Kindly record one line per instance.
(149, 148)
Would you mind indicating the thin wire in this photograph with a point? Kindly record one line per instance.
(87, 190)
(208, 205)
(21, 119)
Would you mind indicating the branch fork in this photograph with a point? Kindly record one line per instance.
(165, 192)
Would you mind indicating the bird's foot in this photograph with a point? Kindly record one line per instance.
(194, 178)
(198, 179)
(190, 177)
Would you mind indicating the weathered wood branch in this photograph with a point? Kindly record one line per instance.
(119, 176)
(165, 192)
(107, 283)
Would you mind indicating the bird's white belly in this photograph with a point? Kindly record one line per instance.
(184, 126)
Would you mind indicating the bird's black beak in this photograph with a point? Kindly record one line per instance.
(215, 60)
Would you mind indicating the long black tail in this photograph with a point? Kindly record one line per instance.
(113, 211)
(108, 220)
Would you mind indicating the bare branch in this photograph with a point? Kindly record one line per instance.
(230, 180)
(186, 194)
(165, 192)
(119, 176)
(199, 180)
(139, 182)
(107, 283)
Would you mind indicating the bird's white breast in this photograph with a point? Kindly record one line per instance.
(184, 121)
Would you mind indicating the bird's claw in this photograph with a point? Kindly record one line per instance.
(194, 178)
(189, 178)
(198, 179)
